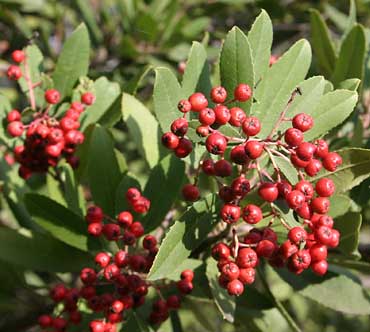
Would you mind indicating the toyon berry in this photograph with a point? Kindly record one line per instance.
(331, 161)
(184, 106)
(268, 191)
(230, 213)
(237, 117)
(170, 140)
(13, 115)
(293, 137)
(235, 287)
(207, 116)
(18, 56)
(238, 155)
(15, 128)
(190, 192)
(216, 144)
(243, 92)
(14, 73)
(184, 148)
(303, 122)
(251, 126)
(223, 168)
(198, 101)
(180, 127)
(87, 98)
(253, 149)
(325, 187)
(252, 214)
(52, 96)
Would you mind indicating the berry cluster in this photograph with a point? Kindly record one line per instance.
(236, 166)
(118, 283)
(45, 139)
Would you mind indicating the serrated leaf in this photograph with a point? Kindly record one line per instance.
(333, 109)
(224, 302)
(103, 170)
(260, 39)
(349, 227)
(169, 174)
(354, 170)
(73, 61)
(350, 63)
(321, 43)
(60, 222)
(279, 83)
(184, 236)
(167, 94)
(143, 128)
(106, 95)
(236, 64)
(341, 294)
(40, 252)
(196, 76)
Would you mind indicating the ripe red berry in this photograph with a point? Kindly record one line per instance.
(216, 143)
(133, 194)
(173, 302)
(305, 188)
(242, 92)
(198, 101)
(45, 321)
(325, 187)
(268, 191)
(253, 149)
(102, 259)
(226, 194)
(295, 199)
(149, 242)
(111, 232)
(230, 213)
(184, 106)
(303, 122)
(320, 267)
(59, 323)
(252, 214)
(324, 235)
(335, 237)
(15, 128)
(125, 219)
(52, 96)
(190, 192)
(184, 148)
(18, 56)
(222, 114)
(325, 221)
(187, 275)
(95, 228)
(88, 276)
(238, 155)
(121, 259)
(208, 167)
(237, 117)
(288, 249)
(284, 188)
(297, 162)
(265, 248)
(88, 98)
(180, 127)
(235, 287)
(13, 115)
(320, 205)
(247, 276)
(304, 211)
(297, 235)
(293, 137)
(322, 148)
(207, 116)
(318, 252)
(14, 73)
(332, 161)
(137, 229)
(230, 271)
(202, 131)
(220, 251)
(247, 257)
(218, 94)
(185, 286)
(305, 151)
(313, 167)
(251, 126)
(223, 168)
(94, 214)
(240, 186)
(97, 326)
(301, 259)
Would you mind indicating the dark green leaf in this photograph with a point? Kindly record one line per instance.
(349, 227)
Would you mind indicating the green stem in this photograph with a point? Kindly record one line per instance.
(293, 325)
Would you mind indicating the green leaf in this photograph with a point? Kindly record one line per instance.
(281, 79)
(236, 64)
(349, 227)
(360, 266)
(103, 169)
(339, 205)
(73, 61)
(40, 252)
(341, 294)
(224, 302)
(60, 222)
(143, 128)
(350, 84)
(54, 190)
(322, 44)
(184, 236)
(260, 39)
(289, 171)
(169, 174)
(351, 19)
(134, 84)
(333, 109)
(106, 94)
(196, 76)
(88, 15)
(128, 180)
(189, 263)
(354, 170)
(167, 94)
(351, 58)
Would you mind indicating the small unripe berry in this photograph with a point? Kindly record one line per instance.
(251, 126)
(52, 96)
(198, 101)
(218, 94)
(242, 92)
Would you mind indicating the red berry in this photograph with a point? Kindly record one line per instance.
(173, 302)
(56, 135)
(253, 149)
(320, 205)
(74, 137)
(284, 188)
(170, 140)
(332, 161)
(45, 321)
(242, 92)
(253, 237)
(235, 287)
(137, 229)
(313, 167)
(297, 162)
(247, 257)
(180, 127)
(198, 101)
(318, 252)
(187, 275)
(190, 192)
(295, 199)
(18, 56)
(15, 128)
(301, 259)
(207, 116)
(240, 186)
(305, 188)
(288, 249)
(251, 126)
(320, 267)
(102, 259)
(95, 228)
(88, 276)
(208, 167)
(265, 248)
(304, 211)
(238, 155)
(230, 213)
(52, 96)
(252, 214)
(111, 232)
(247, 276)
(133, 194)
(97, 326)
(305, 151)
(125, 219)
(14, 73)
(223, 168)
(222, 114)
(121, 258)
(73, 114)
(149, 242)
(220, 251)
(325, 187)
(230, 271)
(13, 115)
(226, 194)
(303, 122)
(218, 94)
(184, 106)
(237, 117)
(202, 131)
(94, 214)
(77, 106)
(268, 191)
(67, 124)
(293, 137)
(335, 237)
(58, 292)
(216, 143)
(324, 235)
(325, 221)
(184, 148)
(297, 235)
(185, 286)
(88, 98)
(59, 323)
(322, 148)
(111, 272)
